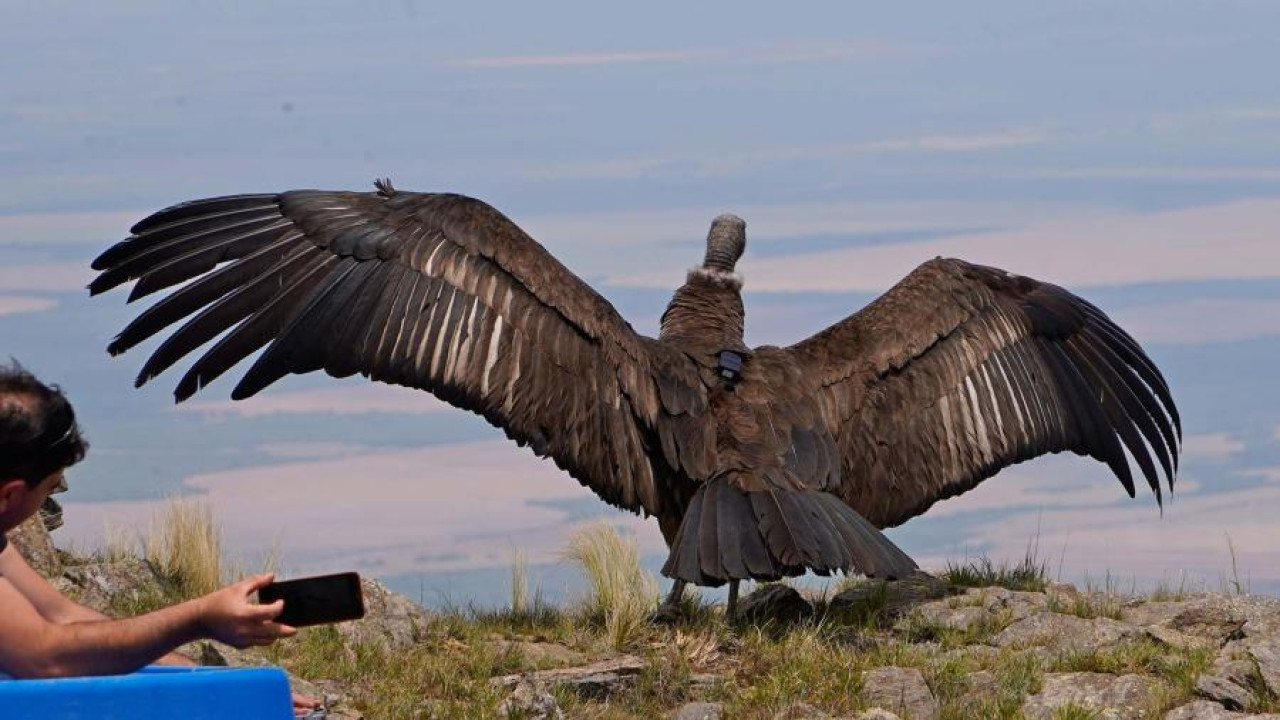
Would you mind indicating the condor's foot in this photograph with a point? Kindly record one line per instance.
(671, 611)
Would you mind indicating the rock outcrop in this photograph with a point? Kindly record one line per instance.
(775, 603)
(31, 538)
(901, 690)
(598, 680)
(1117, 696)
(920, 650)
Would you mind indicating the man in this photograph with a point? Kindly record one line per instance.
(45, 634)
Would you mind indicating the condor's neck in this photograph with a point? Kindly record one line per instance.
(706, 313)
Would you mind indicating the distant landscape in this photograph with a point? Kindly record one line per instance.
(1126, 153)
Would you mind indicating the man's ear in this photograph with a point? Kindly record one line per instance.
(12, 492)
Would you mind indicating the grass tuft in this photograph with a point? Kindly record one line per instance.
(1030, 574)
(1086, 605)
(448, 670)
(1073, 711)
(185, 544)
(1234, 586)
(1165, 591)
(623, 595)
(120, 544)
(519, 583)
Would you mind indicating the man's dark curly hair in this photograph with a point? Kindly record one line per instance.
(38, 431)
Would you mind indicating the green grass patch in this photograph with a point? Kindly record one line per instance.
(1029, 574)
(1086, 605)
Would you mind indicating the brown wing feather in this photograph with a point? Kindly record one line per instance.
(433, 291)
(961, 370)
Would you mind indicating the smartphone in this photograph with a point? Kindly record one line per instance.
(316, 600)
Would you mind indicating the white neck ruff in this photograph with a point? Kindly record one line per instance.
(715, 276)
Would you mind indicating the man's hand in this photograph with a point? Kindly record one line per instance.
(229, 617)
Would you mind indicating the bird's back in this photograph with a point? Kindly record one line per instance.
(769, 431)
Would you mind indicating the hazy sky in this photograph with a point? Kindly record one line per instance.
(1130, 151)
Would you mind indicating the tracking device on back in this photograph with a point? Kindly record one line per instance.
(316, 600)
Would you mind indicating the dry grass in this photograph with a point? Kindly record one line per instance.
(761, 670)
(623, 595)
(1087, 605)
(519, 582)
(1233, 585)
(185, 543)
(120, 543)
(1166, 591)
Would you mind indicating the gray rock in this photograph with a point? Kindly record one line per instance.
(699, 711)
(1201, 710)
(800, 711)
(1060, 633)
(1261, 614)
(902, 690)
(1178, 639)
(889, 599)
(962, 618)
(51, 512)
(337, 703)
(97, 584)
(595, 681)
(213, 654)
(1208, 620)
(1261, 627)
(1113, 697)
(876, 714)
(705, 681)
(540, 654)
(1218, 689)
(978, 687)
(1239, 672)
(530, 701)
(1013, 604)
(31, 540)
(774, 603)
(1267, 654)
(979, 654)
(982, 681)
(1155, 613)
(390, 618)
(206, 652)
(1217, 617)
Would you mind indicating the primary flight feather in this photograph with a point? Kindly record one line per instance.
(757, 462)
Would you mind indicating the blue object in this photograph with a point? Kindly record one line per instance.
(202, 693)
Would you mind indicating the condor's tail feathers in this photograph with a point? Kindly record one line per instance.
(728, 534)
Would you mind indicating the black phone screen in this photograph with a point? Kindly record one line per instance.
(316, 600)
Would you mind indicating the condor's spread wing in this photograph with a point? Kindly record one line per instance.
(961, 370)
(433, 291)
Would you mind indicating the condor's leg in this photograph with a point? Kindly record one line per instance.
(669, 610)
(677, 593)
(731, 610)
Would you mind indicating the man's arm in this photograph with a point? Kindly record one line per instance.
(31, 646)
(53, 605)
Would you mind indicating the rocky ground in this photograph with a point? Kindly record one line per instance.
(921, 649)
